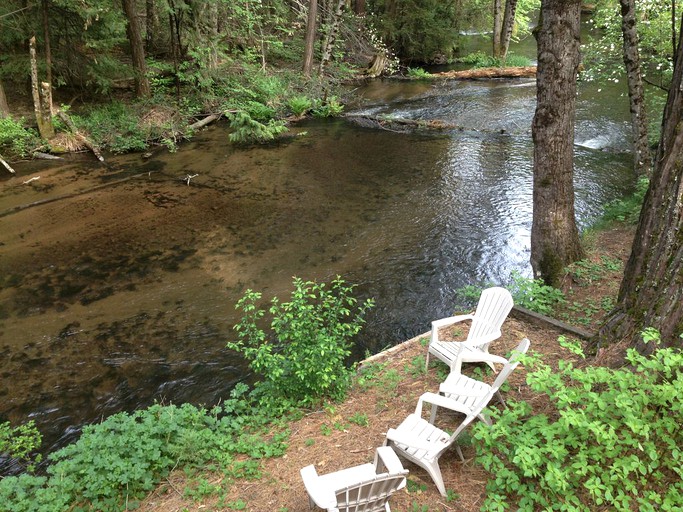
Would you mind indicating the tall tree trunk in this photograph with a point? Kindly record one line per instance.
(331, 35)
(48, 49)
(651, 294)
(310, 37)
(497, 26)
(151, 25)
(43, 111)
(137, 49)
(508, 26)
(4, 106)
(554, 236)
(359, 7)
(642, 161)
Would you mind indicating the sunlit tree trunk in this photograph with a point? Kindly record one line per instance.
(137, 49)
(331, 34)
(497, 26)
(642, 162)
(508, 26)
(309, 43)
(651, 294)
(41, 107)
(554, 235)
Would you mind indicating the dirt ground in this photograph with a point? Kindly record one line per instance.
(329, 440)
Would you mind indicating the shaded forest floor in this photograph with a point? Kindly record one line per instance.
(347, 434)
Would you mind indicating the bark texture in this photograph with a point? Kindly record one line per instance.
(137, 49)
(642, 160)
(497, 26)
(651, 294)
(42, 109)
(310, 36)
(508, 25)
(554, 235)
(4, 106)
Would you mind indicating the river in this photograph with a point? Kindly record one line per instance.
(115, 297)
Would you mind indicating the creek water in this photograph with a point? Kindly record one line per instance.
(115, 297)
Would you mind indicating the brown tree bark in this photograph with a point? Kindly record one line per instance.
(309, 43)
(4, 106)
(508, 25)
(497, 26)
(651, 294)
(137, 49)
(554, 236)
(359, 7)
(642, 160)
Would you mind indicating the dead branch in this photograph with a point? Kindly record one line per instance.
(6, 165)
(72, 127)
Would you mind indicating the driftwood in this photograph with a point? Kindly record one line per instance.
(46, 156)
(6, 165)
(480, 73)
(399, 124)
(203, 122)
(70, 124)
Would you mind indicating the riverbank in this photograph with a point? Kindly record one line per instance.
(346, 434)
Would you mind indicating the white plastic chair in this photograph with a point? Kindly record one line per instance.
(467, 391)
(364, 488)
(423, 443)
(492, 310)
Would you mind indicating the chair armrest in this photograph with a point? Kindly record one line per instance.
(440, 401)
(386, 461)
(399, 437)
(322, 496)
(443, 322)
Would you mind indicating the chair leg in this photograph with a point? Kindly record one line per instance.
(435, 472)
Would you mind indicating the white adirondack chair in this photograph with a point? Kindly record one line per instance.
(423, 443)
(492, 310)
(467, 391)
(364, 488)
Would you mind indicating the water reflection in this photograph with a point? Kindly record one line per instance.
(138, 306)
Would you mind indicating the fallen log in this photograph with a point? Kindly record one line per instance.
(6, 165)
(400, 124)
(203, 122)
(488, 73)
(86, 142)
(46, 156)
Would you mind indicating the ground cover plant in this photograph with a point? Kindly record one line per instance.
(610, 438)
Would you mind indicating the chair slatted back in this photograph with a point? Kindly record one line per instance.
(370, 495)
(492, 309)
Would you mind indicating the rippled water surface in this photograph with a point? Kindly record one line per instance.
(129, 317)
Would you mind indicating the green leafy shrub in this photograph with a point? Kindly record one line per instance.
(15, 139)
(114, 126)
(528, 293)
(20, 443)
(120, 460)
(627, 209)
(299, 105)
(330, 108)
(610, 440)
(304, 357)
(483, 60)
(418, 73)
(247, 130)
